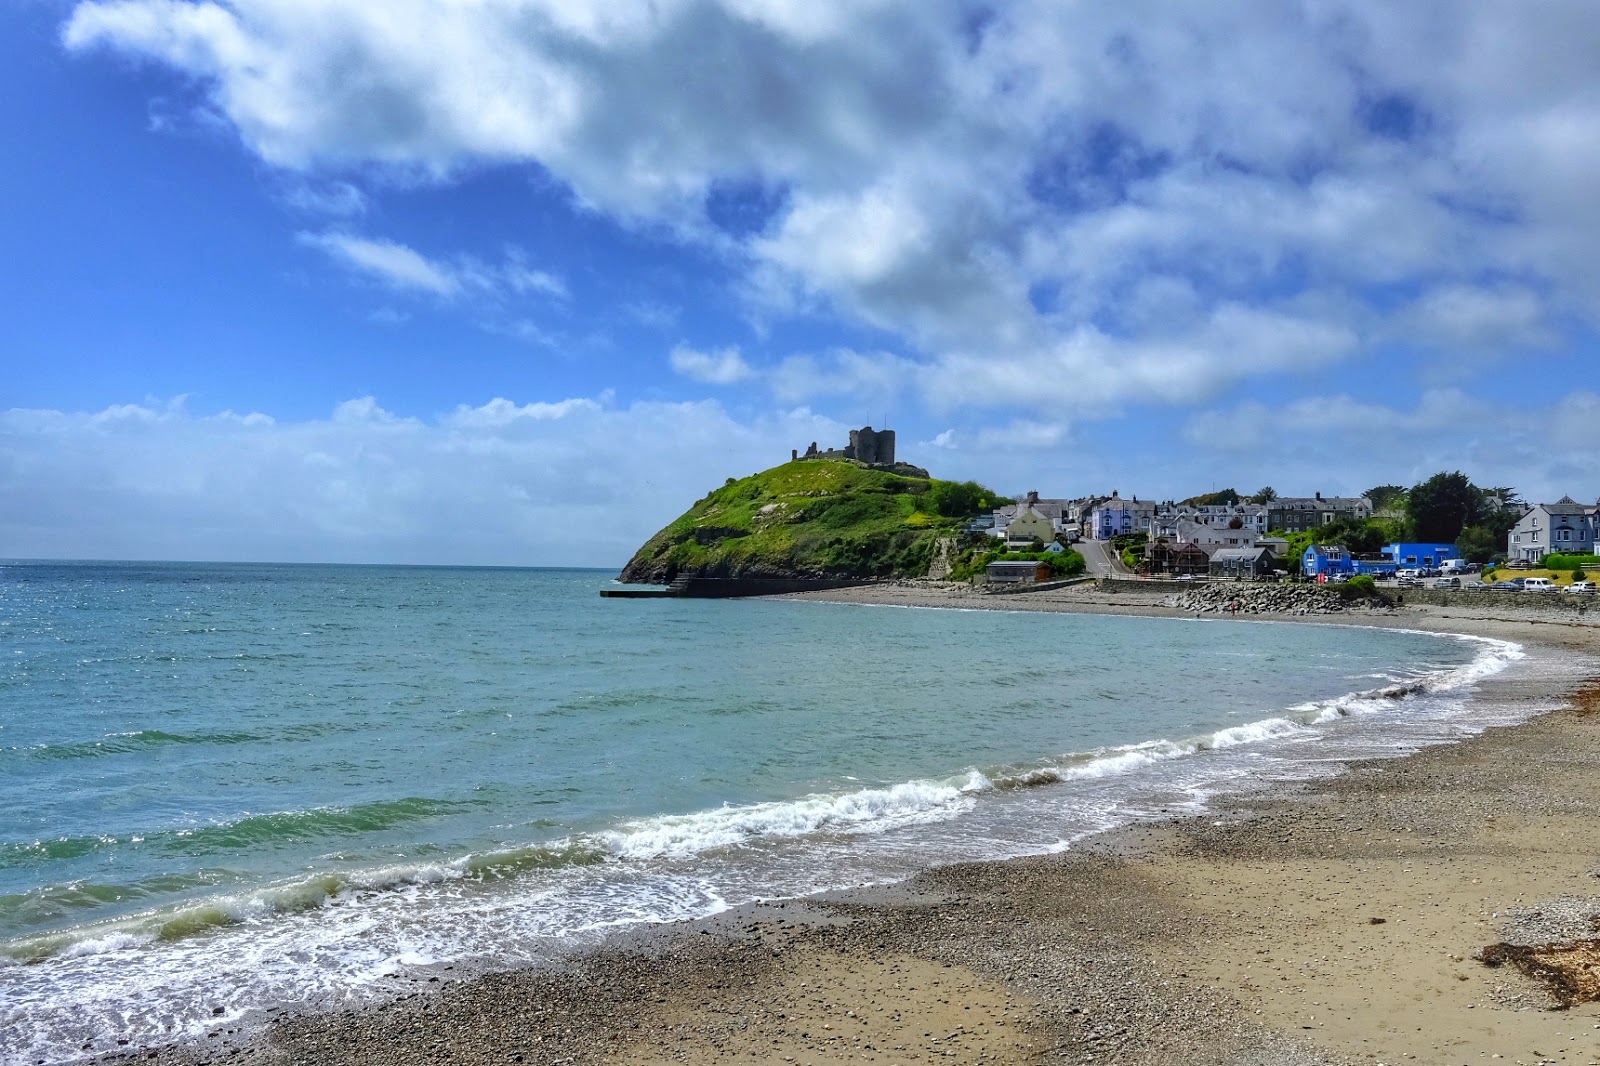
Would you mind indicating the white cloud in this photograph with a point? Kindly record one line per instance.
(868, 379)
(404, 268)
(1277, 163)
(722, 367)
(1477, 320)
(571, 481)
(389, 262)
(336, 198)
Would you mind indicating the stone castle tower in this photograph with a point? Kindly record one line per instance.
(872, 447)
(867, 445)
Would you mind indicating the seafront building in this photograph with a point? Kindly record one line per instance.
(1566, 526)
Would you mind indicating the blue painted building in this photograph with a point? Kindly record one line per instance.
(1327, 559)
(1418, 556)
(1334, 559)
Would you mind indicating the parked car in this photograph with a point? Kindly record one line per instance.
(1408, 582)
(1538, 584)
(1446, 583)
(1581, 586)
(1504, 586)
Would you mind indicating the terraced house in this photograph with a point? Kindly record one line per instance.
(1566, 526)
(1296, 514)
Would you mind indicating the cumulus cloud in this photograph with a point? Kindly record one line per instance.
(570, 481)
(1289, 168)
(722, 367)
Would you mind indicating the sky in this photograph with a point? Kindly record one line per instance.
(514, 282)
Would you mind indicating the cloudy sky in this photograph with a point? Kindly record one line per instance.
(515, 281)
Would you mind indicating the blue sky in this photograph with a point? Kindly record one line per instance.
(516, 281)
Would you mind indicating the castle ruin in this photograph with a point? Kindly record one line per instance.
(867, 445)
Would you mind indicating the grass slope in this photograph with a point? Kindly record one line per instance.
(812, 517)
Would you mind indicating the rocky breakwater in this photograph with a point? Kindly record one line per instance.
(1238, 598)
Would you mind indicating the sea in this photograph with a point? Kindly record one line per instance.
(230, 790)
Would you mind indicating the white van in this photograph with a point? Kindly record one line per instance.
(1538, 584)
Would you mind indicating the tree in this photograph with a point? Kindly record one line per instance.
(1442, 506)
(1226, 497)
(961, 499)
(1265, 494)
(1384, 496)
(1477, 544)
(1363, 537)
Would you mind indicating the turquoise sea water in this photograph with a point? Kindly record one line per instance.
(246, 786)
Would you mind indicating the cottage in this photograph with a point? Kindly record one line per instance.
(1243, 564)
(1027, 526)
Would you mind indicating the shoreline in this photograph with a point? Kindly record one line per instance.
(1249, 934)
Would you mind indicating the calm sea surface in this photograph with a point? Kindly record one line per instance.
(241, 786)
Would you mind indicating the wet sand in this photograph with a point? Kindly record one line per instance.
(1331, 922)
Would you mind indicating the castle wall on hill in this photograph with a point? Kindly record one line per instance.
(867, 445)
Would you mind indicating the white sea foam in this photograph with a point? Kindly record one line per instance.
(863, 811)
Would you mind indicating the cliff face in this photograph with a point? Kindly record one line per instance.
(808, 518)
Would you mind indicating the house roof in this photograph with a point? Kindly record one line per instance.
(1243, 554)
(1312, 503)
(1564, 506)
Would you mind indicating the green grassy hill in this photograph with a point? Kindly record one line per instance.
(811, 517)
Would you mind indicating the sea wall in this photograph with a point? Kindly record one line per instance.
(730, 587)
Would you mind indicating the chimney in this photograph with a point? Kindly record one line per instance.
(1319, 495)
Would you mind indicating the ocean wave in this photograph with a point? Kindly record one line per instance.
(864, 810)
(247, 833)
(1295, 720)
(133, 741)
(195, 917)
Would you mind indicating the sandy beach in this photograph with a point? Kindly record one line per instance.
(1344, 920)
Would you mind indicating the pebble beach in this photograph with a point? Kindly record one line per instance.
(1350, 919)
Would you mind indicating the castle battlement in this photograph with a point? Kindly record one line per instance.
(867, 445)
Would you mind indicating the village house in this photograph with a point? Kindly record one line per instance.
(1566, 526)
(1295, 514)
(1114, 516)
(1243, 564)
(1211, 538)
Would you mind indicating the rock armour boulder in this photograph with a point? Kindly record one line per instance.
(1241, 598)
